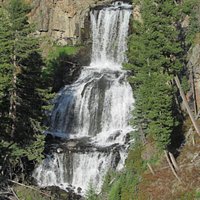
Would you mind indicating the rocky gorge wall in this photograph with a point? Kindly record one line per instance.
(194, 69)
(65, 21)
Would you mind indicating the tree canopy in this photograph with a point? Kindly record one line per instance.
(21, 101)
(156, 53)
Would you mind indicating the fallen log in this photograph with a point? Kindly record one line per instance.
(30, 187)
(151, 169)
(186, 105)
(172, 168)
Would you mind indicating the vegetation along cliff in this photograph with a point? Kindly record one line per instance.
(99, 99)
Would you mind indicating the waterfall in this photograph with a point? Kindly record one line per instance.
(92, 114)
(110, 28)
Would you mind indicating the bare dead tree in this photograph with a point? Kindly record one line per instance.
(186, 105)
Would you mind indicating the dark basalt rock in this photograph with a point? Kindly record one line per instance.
(78, 145)
(60, 194)
(115, 159)
(108, 4)
(113, 136)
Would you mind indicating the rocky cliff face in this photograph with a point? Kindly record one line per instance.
(194, 69)
(65, 21)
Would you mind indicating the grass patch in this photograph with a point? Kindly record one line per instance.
(65, 50)
(123, 185)
(29, 194)
(197, 39)
(197, 195)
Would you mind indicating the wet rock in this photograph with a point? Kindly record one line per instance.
(79, 190)
(113, 136)
(61, 194)
(115, 159)
(71, 144)
(59, 150)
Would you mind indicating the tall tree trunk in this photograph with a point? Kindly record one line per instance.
(186, 105)
(13, 98)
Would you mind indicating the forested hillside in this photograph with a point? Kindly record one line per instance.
(163, 159)
(159, 50)
(21, 99)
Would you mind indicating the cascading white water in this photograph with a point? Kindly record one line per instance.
(97, 107)
(109, 31)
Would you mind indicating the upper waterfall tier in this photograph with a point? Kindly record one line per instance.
(109, 33)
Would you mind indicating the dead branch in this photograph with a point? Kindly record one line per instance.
(172, 168)
(150, 168)
(71, 63)
(193, 90)
(198, 114)
(15, 195)
(112, 181)
(173, 161)
(32, 188)
(186, 105)
(5, 193)
(195, 156)
(193, 140)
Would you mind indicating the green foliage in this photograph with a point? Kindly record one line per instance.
(29, 194)
(187, 196)
(34, 151)
(115, 191)
(67, 50)
(5, 68)
(192, 8)
(185, 84)
(110, 175)
(60, 66)
(46, 95)
(129, 183)
(155, 54)
(21, 103)
(134, 162)
(197, 195)
(91, 193)
(123, 185)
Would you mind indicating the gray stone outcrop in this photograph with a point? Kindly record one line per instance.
(65, 21)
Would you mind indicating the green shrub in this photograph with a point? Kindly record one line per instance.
(67, 50)
(91, 193)
(115, 192)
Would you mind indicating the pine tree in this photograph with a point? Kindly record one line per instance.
(155, 55)
(20, 84)
(5, 67)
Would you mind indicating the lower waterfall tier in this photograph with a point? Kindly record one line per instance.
(92, 116)
(76, 167)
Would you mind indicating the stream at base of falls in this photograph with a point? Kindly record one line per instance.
(92, 114)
